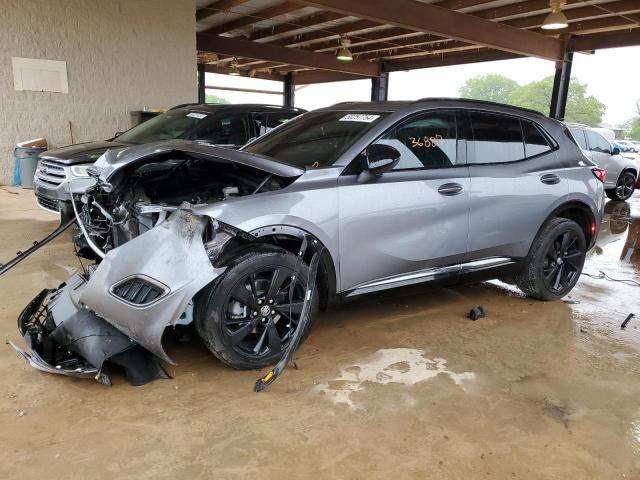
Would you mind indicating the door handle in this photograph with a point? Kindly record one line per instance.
(450, 189)
(550, 179)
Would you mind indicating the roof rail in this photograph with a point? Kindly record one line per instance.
(183, 105)
(484, 102)
(347, 103)
(574, 124)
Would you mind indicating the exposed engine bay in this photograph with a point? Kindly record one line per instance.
(144, 194)
(156, 245)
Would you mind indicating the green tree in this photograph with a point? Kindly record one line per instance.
(634, 129)
(211, 98)
(632, 126)
(581, 108)
(492, 87)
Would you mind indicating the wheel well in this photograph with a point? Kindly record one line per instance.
(579, 213)
(632, 170)
(326, 272)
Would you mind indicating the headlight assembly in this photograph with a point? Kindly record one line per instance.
(80, 170)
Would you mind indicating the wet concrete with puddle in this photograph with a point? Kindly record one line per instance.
(401, 386)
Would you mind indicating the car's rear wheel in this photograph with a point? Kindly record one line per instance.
(555, 261)
(247, 316)
(624, 187)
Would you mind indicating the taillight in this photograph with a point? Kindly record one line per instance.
(599, 173)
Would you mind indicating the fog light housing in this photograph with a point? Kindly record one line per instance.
(139, 290)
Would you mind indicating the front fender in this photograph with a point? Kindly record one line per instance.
(171, 257)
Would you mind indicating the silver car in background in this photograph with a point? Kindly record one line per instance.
(621, 173)
(389, 194)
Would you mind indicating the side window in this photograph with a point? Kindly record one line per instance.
(578, 134)
(265, 122)
(534, 142)
(224, 130)
(597, 143)
(496, 139)
(276, 119)
(425, 141)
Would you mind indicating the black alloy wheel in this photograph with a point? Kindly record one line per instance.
(263, 311)
(555, 260)
(247, 316)
(624, 187)
(563, 262)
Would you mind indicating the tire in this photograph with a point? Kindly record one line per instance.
(552, 267)
(260, 340)
(624, 187)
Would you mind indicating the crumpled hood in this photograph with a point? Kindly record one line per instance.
(114, 160)
(81, 152)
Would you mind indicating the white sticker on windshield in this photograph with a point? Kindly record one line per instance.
(196, 115)
(359, 117)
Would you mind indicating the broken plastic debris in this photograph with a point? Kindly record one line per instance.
(626, 321)
(476, 313)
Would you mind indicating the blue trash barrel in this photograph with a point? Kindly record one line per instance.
(26, 164)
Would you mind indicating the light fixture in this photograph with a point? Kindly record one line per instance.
(344, 54)
(233, 68)
(556, 19)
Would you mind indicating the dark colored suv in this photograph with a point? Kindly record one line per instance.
(223, 125)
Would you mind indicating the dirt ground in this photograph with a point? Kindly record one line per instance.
(394, 386)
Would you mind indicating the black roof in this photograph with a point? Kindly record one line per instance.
(237, 107)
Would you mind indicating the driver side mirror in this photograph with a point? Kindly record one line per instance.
(615, 151)
(380, 158)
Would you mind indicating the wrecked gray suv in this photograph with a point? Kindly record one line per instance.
(391, 194)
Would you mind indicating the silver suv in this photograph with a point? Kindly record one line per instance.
(392, 194)
(621, 173)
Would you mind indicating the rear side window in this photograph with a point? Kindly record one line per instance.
(578, 134)
(224, 130)
(534, 142)
(265, 122)
(597, 143)
(496, 139)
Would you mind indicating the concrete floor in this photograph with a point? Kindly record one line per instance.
(391, 387)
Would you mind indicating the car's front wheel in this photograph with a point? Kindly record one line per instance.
(246, 317)
(555, 261)
(624, 187)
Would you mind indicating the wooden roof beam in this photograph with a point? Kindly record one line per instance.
(217, 7)
(254, 17)
(428, 18)
(290, 56)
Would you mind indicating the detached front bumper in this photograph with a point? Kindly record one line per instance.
(67, 340)
(118, 313)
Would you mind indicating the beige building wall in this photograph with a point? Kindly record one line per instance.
(121, 55)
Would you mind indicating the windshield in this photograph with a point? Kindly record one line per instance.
(177, 123)
(316, 139)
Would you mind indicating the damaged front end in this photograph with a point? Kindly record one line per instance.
(116, 312)
(75, 342)
(152, 257)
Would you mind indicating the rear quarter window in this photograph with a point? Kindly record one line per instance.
(578, 137)
(535, 143)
